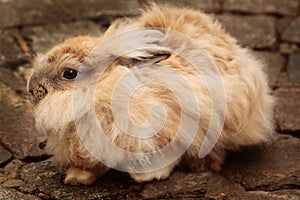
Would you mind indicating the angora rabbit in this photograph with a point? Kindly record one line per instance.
(166, 88)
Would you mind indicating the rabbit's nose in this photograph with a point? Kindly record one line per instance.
(38, 93)
(41, 93)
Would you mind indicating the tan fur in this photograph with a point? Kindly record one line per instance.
(249, 106)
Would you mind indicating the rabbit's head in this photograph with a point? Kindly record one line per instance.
(78, 61)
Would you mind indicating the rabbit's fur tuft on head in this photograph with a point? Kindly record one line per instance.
(137, 64)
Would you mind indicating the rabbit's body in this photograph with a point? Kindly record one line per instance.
(247, 112)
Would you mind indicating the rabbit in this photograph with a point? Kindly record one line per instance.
(170, 76)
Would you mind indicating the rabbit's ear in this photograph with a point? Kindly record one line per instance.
(145, 45)
(142, 45)
(145, 48)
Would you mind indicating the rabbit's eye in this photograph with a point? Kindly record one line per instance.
(70, 73)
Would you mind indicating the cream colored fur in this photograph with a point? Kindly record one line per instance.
(249, 106)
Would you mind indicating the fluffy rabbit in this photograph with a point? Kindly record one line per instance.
(182, 81)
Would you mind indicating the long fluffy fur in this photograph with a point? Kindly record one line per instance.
(249, 105)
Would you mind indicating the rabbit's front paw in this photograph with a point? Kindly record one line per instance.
(158, 175)
(76, 176)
